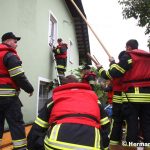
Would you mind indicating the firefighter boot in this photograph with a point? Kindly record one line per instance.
(116, 147)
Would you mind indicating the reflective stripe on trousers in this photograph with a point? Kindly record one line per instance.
(60, 66)
(19, 143)
(52, 141)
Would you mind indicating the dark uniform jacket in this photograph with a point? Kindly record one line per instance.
(13, 65)
(41, 125)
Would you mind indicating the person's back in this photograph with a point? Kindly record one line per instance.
(75, 109)
(74, 118)
(133, 67)
(136, 96)
(60, 52)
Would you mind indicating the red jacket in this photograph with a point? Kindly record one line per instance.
(85, 77)
(4, 74)
(61, 54)
(110, 97)
(75, 98)
(117, 84)
(139, 75)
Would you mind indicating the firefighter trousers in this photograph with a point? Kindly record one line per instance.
(134, 113)
(117, 124)
(72, 136)
(61, 65)
(10, 109)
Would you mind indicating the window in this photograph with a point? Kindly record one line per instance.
(44, 93)
(70, 52)
(52, 35)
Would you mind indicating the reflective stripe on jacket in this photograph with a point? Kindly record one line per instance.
(72, 99)
(138, 95)
(51, 141)
(5, 75)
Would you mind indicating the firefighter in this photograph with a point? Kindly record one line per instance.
(12, 78)
(134, 66)
(74, 117)
(60, 52)
(117, 115)
(88, 76)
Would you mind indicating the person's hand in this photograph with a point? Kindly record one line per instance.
(17, 93)
(30, 94)
(111, 59)
(54, 49)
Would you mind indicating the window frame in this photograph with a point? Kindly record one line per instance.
(70, 52)
(41, 79)
(52, 37)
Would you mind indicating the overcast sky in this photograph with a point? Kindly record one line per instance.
(105, 18)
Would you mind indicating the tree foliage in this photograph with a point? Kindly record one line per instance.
(138, 9)
(98, 87)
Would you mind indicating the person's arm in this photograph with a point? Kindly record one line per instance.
(41, 121)
(104, 74)
(60, 49)
(63, 48)
(117, 69)
(104, 121)
(14, 66)
(37, 133)
(56, 50)
(105, 127)
(44, 114)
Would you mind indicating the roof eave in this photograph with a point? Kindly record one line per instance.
(81, 30)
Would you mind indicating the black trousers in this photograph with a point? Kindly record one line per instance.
(61, 65)
(10, 109)
(76, 134)
(105, 130)
(35, 138)
(117, 123)
(135, 114)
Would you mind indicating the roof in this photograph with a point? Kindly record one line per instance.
(81, 31)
